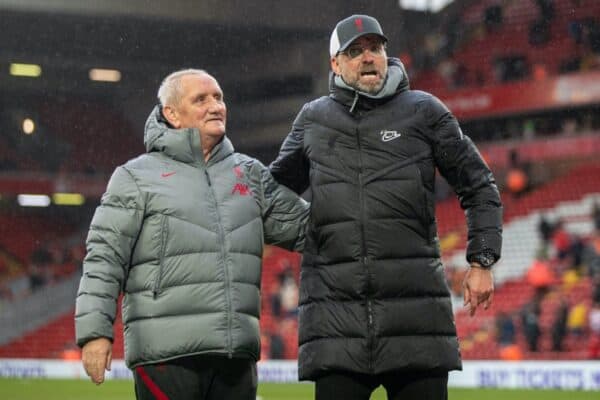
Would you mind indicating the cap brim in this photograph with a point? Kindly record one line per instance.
(349, 42)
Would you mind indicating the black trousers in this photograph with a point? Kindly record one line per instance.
(197, 378)
(399, 386)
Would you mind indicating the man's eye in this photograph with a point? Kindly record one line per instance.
(354, 52)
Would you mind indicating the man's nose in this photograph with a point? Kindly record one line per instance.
(367, 55)
(216, 106)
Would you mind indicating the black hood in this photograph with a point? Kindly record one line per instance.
(396, 81)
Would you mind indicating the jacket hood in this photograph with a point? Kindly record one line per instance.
(180, 144)
(396, 81)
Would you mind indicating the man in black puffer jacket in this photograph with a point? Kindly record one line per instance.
(374, 304)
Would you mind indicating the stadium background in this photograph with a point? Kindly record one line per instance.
(78, 79)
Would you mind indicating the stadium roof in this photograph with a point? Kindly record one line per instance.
(424, 5)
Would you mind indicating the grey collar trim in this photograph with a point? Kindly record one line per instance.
(392, 80)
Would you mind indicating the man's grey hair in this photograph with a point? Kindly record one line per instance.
(169, 92)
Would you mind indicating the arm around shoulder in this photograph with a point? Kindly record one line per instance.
(285, 214)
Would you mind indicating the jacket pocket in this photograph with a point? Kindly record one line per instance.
(427, 207)
(424, 200)
(164, 232)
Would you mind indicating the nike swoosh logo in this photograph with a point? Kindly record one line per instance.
(386, 136)
(167, 174)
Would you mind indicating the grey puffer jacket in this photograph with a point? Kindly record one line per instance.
(182, 240)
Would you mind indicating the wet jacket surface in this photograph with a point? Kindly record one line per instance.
(183, 240)
(373, 295)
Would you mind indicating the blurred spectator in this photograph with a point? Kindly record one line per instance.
(288, 330)
(272, 344)
(517, 178)
(559, 325)
(461, 76)
(539, 32)
(594, 323)
(447, 69)
(576, 321)
(594, 319)
(561, 240)
(540, 275)
(540, 72)
(38, 276)
(594, 347)
(511, 352)
(570, 64)
(545, 228)
(41, 256)
(433, 43)
(546, 9)
(492, 17)
(284, 302)
(596, 215)
(479, 78)
(596, 289)
(510, 67)
(575, 29)
(576, 251)
(530, 314)
(289, 294)
(277, 347)
(569, 126)
(505, 329)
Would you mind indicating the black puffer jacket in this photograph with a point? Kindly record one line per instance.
(373, 296)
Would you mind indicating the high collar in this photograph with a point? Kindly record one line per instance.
(396, 81)
(180, 144)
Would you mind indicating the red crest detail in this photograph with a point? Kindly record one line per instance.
(359, 24)
(241, 188)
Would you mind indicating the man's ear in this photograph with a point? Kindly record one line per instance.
(171, 116)
(335, 66)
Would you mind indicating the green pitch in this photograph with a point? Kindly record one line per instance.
(55, 389)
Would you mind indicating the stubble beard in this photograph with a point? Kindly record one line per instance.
(370, 89)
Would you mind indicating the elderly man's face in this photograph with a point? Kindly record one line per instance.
(201, 106)
(363, 65)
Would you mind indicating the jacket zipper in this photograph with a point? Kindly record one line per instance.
(161, 256)
(225, 270)
(364, 258)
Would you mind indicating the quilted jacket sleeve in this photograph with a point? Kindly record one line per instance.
(284, 213)
(291, 167)
(113, 231)
(459, 161)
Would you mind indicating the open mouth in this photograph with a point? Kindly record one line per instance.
(373, 74)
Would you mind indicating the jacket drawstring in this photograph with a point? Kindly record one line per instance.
(354, 102)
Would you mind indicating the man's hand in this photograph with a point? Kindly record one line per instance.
(96, 356)
(478, 288)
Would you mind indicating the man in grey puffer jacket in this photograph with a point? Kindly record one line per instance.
(180, 233)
